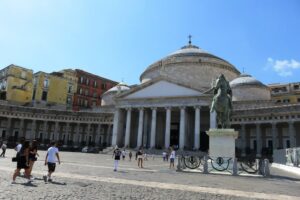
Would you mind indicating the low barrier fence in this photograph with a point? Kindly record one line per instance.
(206, 164)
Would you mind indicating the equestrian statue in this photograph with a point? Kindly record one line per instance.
(222, 101)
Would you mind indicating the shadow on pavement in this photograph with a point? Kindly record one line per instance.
(29, 184)
(284, 177)
(57, 183)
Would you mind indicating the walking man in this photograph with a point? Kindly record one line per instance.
(51, 158)
(117, 154)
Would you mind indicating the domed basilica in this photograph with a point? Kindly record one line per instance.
(171, 106)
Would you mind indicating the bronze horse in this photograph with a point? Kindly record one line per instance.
(222, 101)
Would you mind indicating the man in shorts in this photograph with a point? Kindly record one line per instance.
(50, 159)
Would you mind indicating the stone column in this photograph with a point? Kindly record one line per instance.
(9, 127)
(128, 124)
(21, 129)
(76, 139)
(45, 134)
(274, 136)
(213, 119)
(168, 127)
(108, 134)
(243, 138)
(140, 127)
(67, 133)
(33, 129)
(197, 128)
(115, 127)
(258, 140)
(88, 134)
(182, 128)
(292, 134)
(153, 128)
(98, 135)
(56, 133)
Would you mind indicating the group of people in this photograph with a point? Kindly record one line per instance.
(140, 156)
(26, 156)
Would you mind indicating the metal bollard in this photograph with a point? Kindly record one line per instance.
(179, 165)
(266, 168)
(205, 166)
(234, 167)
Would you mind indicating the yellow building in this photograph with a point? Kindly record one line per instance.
(16, 84)
(53, 90)
(288, 93)
(70, 75)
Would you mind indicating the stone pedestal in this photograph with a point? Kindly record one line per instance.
(222, 142)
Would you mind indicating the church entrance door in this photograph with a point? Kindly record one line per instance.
(174, 136)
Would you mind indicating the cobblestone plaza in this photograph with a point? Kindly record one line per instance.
(91, 176)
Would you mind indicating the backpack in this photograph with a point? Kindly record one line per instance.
(118, 153)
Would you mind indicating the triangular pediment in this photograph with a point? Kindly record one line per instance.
(162, 89)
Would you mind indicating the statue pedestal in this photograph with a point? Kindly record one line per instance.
(222, 142)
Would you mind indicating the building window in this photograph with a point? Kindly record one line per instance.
(69, 100)
(23, 75)
(86, 103)
(33, 95)
(70, 89)
(81, 79)
(94, 103)
(296, 87)
(87, 81)
(44, 96)
(286, 100)
(95, 84)
(298, 99)
(86, 92)
(80, 90)
(95, 95)
(103, 86)
(46, 83)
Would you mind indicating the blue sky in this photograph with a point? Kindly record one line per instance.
(119, 39)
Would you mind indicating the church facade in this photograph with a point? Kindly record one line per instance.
(170, 107)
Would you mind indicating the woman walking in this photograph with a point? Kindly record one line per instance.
(22, 162)
(32, 155)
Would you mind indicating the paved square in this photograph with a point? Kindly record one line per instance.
(91, 176)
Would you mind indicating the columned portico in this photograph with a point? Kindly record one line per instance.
(153, 128)
(77, 137)
(168, 127)
(128, 126)
(197, 128)
(21, 128)
(182, 128)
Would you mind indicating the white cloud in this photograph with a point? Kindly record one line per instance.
(283, 67)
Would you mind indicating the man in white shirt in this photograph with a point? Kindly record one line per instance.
(50, 159)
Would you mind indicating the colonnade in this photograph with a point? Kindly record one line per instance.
(286, 139)
(118, 127)
(75, 133)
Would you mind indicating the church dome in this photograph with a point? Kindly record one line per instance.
(246, 79)
(191, 66)
(246, 88)
(108, 96)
